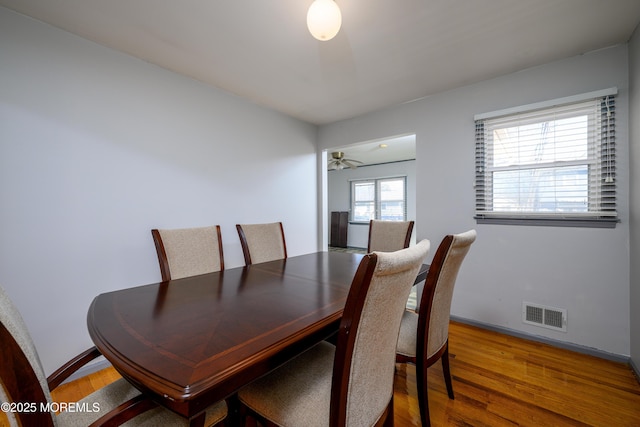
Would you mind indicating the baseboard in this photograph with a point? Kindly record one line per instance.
(636, 371)
(555, 343)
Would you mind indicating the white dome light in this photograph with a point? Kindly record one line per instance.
(324, 19)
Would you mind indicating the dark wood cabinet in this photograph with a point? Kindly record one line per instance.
(339, 225)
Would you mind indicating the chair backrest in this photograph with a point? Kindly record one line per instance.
(389, 236)
(364, 365)
(262, 242)
(187, 252)
(22, 379)
(435, 304)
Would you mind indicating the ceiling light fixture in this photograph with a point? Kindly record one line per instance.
(324, 19)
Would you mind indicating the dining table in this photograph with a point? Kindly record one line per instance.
(191, 342)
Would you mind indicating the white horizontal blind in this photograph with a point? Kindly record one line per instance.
(556, 162)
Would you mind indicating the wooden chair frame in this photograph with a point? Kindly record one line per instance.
(344, 352)
(424, 317)
(22, 384)
(346, 345)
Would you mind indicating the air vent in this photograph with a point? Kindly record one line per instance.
(546, 317)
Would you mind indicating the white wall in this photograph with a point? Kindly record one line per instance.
(583, 270)
(634, 143)
(97, 148)
(339, 194)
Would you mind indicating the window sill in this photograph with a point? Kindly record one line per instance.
(552, 222)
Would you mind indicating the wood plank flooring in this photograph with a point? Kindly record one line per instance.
(498, 380)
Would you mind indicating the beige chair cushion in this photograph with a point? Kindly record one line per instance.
(106, 398)
(265, 242)
(408, 339)
(298, 393)
(387, 236)
(191, 251)
(109, 397)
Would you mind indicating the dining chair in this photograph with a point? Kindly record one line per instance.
(23, 384)
(350, 383)
(262, 242)
(424, 337)
(389, 236)
(184, 252)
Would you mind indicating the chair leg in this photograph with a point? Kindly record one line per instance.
(244, 418)
(423, 398)
(233, 415)
(250, 418)
(447, 371)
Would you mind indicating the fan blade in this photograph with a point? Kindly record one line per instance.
(352, 160)
(351, 165)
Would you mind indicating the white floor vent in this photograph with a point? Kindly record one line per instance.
(546, 317)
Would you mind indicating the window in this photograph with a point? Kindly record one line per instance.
(384, 198)
(551, 163)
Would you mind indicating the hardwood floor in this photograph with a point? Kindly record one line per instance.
(498, 380)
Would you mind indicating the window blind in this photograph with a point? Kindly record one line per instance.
(554, 162)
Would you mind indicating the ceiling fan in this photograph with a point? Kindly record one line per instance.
(338, 162)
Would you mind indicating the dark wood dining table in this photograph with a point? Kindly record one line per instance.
(191, 342)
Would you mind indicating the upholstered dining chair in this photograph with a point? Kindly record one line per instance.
(389, 236)
(424, 337)
(23, 383)
(350, 384)
(262, 242)
(184, 252)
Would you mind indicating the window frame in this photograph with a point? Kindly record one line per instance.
(376, 182)
(603, 192)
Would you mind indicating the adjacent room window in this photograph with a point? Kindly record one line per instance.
(548, 163)
(383, 198)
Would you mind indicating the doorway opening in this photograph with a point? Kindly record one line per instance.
(365, 167)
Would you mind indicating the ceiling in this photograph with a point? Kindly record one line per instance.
(386, 53)
(381, 151)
